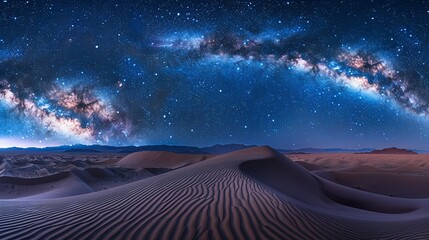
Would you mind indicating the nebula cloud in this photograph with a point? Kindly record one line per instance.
(66, 127)
(82, 117)
(81, 101)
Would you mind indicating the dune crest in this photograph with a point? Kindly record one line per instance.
(160, 159)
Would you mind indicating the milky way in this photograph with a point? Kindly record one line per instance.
(285, 73)
(359, 69)
(73, 108)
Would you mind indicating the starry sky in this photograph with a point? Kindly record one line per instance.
(289, 74)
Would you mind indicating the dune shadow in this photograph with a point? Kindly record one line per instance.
(289, 178)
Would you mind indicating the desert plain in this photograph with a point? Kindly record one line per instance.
(254, 193)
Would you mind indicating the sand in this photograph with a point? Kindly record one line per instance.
(60, 175)
(159, 159)
(255, 193)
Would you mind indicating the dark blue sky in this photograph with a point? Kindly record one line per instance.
(289, 74)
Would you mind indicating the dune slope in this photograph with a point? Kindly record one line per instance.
(159, 159)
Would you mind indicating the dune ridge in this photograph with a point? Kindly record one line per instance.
(160, 159)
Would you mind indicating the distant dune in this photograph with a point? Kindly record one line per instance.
(255, 193)
(57, 185)
(159, 159)
(81, 150)
(69, 183)
(392, 150)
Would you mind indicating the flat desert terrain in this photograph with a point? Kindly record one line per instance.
(255, 193)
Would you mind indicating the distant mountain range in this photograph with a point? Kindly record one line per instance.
(392, 150)
(215, 149)
(325, 150)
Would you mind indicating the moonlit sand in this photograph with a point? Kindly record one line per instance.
(255, 193)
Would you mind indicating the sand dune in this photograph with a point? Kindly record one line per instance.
(158, 159)
(385, 183)
(255, 193)
(69, 183)
(398, 163)
(37, 166)
(301, 185)
(57, 185)
(309, 166)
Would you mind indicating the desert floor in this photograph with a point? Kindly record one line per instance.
(256, 193)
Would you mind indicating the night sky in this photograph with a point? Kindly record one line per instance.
(289, 74)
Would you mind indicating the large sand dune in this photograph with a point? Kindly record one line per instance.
(255, 193)
(159, 159)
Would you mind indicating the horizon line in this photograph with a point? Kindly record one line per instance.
(174, 145)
